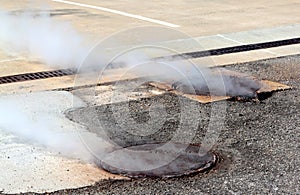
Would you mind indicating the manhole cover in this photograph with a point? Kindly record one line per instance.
(235, 86)
(187, 160)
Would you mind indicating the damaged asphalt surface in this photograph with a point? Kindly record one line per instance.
(259, 146)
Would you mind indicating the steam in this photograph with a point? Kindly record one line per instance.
(58, 44)
(219, 83)
(38, 119)
(53, 42)
(184, 75)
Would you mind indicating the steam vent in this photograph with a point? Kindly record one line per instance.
(189, 160)
(149, 97)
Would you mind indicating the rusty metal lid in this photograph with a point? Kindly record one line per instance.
(151, 160)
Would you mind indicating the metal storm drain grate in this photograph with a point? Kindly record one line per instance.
(185, 160)
(36, 76)
(237, 49)
(196, 54)
(259, 89)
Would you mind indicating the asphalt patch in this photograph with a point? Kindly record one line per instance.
(260, 143)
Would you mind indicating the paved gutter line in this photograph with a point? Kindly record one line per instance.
(237, 49)
(197, 54)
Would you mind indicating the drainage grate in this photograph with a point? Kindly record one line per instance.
(235, 49)
(197, 54)
(36, 76)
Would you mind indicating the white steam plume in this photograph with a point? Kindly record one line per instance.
(39, 119)
(53, 42)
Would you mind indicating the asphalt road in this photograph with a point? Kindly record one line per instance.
(259, 145)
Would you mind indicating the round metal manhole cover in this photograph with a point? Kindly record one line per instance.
(185, 160)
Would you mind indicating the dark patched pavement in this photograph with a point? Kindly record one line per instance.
(259, 145)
